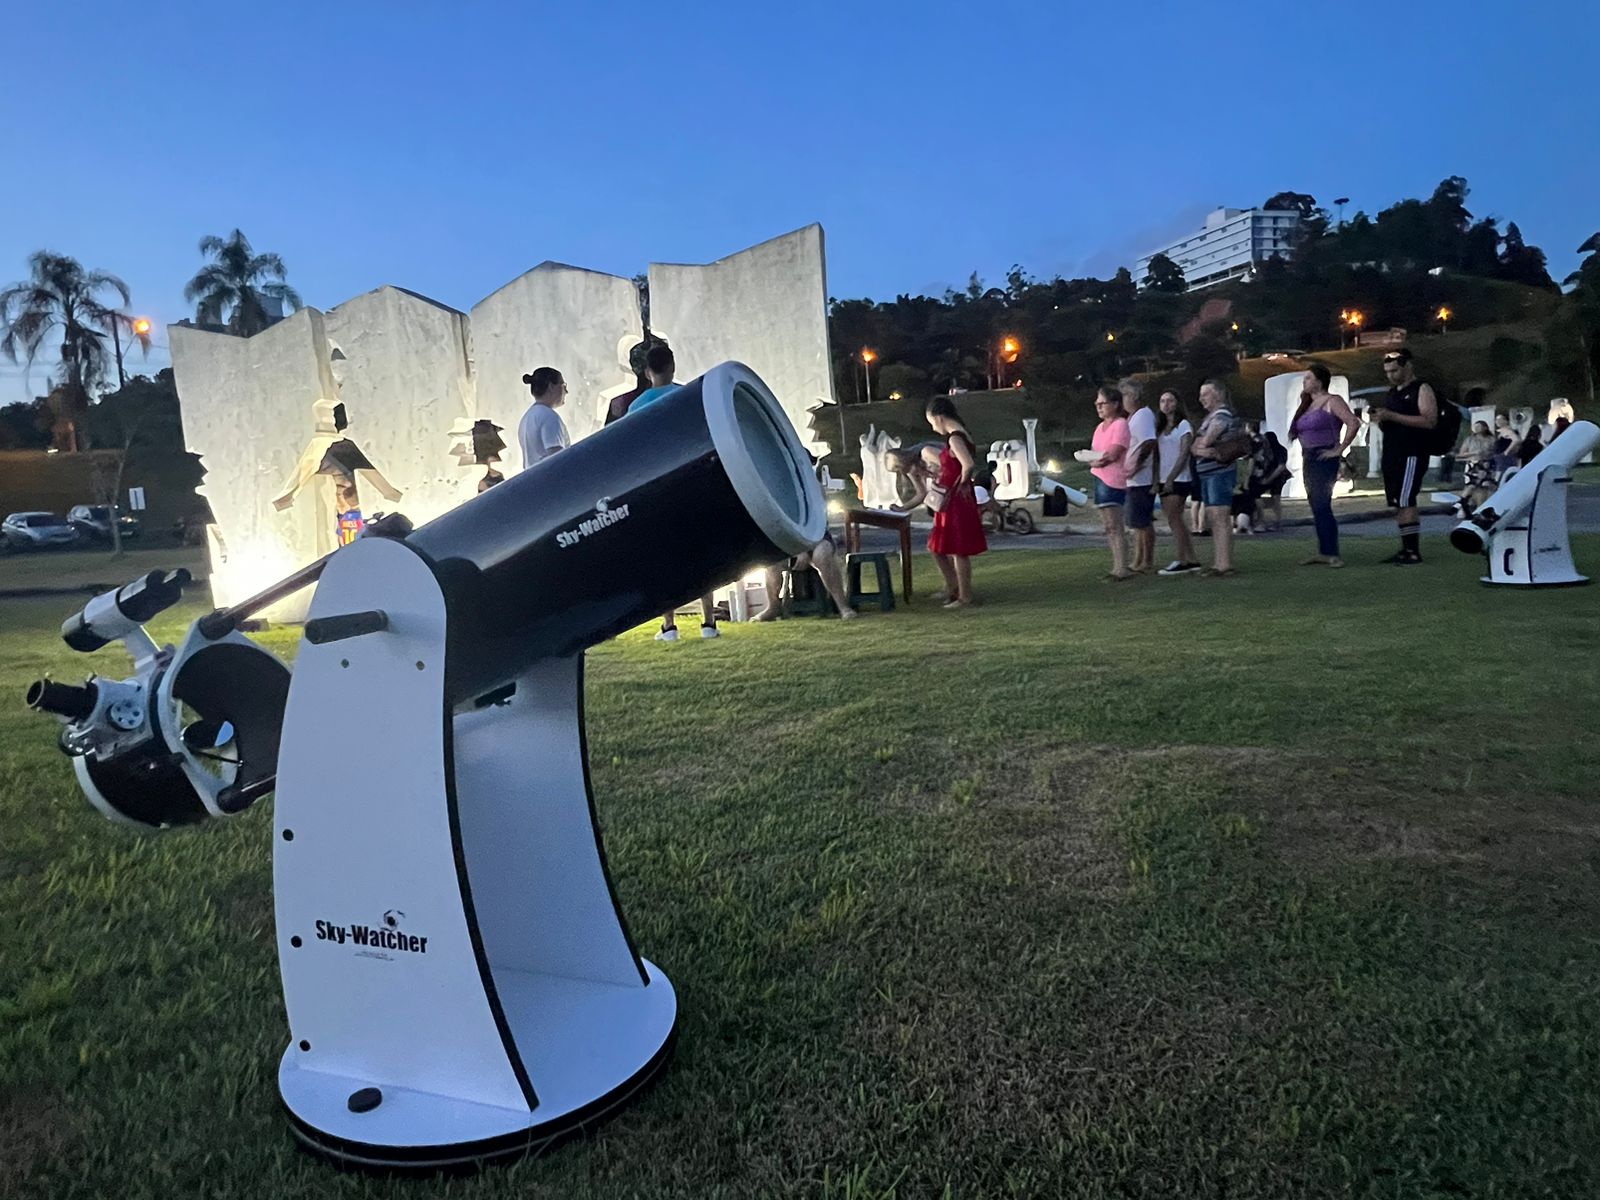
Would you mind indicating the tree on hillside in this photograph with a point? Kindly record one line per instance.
(1164, 275)
(144, 414)
(25, 425)
(237, 284)
(1298, 202)
(1585, 285)
(1521, 263)
(61, 297)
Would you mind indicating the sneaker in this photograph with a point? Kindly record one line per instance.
(668, 635)
(1179, 568)
(1406, 560)
(1335, 562)
(709, 631)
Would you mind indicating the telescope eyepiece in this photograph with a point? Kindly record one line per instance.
(72, 701)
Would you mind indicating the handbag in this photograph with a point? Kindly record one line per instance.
(938, 497)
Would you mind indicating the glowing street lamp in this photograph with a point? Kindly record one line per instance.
(140, 328)
(1349, 319)
(1111, 337)
(1443, 317)
(868, 357)
(1005, 352)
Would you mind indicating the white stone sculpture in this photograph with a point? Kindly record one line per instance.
(766, 307)
(1012, 478)
(879, 482)
(1282, 399)
(1029, 424)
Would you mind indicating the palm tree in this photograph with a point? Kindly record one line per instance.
(59, 295)
(236, 283)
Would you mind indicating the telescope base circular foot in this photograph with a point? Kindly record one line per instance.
(1490, 581)
(588, 1055)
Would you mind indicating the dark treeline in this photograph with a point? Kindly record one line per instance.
(1398, 269)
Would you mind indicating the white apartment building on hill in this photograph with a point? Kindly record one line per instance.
(1233, 241)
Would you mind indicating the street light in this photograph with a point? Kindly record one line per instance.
(1349, 318)
(1111, 337)
(1443, 317)
(140, 328)
(1005, 353)
(868, 357)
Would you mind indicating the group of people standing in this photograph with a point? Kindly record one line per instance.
(1138, 456)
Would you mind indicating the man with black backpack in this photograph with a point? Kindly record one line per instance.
(1222, 441)
(1412, 426)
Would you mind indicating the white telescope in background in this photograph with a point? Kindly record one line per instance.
(1522, 528)
(1050, 487)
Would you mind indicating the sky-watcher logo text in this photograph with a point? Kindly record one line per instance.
(604, 517)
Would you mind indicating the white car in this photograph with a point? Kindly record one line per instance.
(35, 530)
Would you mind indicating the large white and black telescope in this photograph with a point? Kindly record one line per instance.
(459, 981)
(1521, 529)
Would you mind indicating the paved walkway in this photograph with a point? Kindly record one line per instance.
(1083, 529)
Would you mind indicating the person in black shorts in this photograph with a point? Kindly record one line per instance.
(1409, 411)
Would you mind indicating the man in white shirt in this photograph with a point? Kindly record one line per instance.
(1139, 508)
(542, 431)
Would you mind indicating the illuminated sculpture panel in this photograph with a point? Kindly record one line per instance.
(410, 376)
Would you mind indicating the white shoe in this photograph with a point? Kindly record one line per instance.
(668, 635)
(710, 631)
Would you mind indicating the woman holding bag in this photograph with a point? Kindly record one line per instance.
(957, 526)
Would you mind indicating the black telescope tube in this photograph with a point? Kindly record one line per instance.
(665, 505)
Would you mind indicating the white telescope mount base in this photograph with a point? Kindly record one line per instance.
(1535, 549)
(459, 982)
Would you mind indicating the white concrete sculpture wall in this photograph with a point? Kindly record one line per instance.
(766, 307)
(399, 366)
(582, 322)
(1282, 397)
(248, 412)
(413, 374)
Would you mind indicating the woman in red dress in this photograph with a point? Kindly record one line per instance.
(957, 527)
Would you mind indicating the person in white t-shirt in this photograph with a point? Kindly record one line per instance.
(542, 431)
(1175, 480)
(1139, 463)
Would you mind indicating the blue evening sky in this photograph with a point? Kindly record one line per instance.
(449, 147)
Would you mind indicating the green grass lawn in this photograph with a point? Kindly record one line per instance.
(1276, 886)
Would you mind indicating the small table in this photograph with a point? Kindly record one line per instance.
(856, 517)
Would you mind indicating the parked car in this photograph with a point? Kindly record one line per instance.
(94, 521)
(35, 530)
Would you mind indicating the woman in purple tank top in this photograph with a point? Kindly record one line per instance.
(1317, 423)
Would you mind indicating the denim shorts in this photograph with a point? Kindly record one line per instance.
(1141, 507)
(1106, 496)
(1216, 488)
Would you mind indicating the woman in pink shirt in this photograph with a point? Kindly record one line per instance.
(1110, 446)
